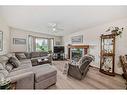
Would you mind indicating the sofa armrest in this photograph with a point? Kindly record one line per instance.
(23, 80)
(20, 76)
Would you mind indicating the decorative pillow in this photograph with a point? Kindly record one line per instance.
(14, 61)
(20, 56)
(9, 67)
(1, 67)
(10, 55)
(3, 60)
(3, 73)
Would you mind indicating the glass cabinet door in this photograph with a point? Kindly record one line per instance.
(108, 45)
(107, 63)
(107, 54)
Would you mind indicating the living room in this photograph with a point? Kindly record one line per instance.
(52, 41)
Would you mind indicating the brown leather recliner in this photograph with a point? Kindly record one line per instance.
(79, 70)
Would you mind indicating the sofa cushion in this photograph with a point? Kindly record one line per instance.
(3, 60)
(20, 56)
(3, 73)
(10, 55)
(9, 67)
(25, 64)
(45, 57)
(35, 54)
(14, 61)
(16, 74)
(21, 67)
(43, 54)
(43, 72)
(1, 67)
(28, 55)
(25, 61)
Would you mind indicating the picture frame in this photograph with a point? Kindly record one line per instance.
(19, 41)
(77, 39)
(1, 40)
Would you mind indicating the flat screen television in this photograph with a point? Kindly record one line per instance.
(58, 49)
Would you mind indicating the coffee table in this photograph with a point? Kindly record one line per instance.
(42, 61)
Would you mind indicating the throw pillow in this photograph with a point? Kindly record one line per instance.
(21, 56)
(3, 73)
(10, 55)
(1, 67)
(3, 60)
(9, 67)
(14, 61)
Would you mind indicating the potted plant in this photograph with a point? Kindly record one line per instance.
(49, 51)
(115, 30)
(5, 83)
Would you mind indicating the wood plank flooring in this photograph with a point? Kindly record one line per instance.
(93, 80)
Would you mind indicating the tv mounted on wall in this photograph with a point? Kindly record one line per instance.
(58, 49)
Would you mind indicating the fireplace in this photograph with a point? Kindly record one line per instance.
(75, 52)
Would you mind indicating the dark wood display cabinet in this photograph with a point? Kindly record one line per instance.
(107, 54)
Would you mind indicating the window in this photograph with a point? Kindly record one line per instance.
(41, 44)
(44, 44)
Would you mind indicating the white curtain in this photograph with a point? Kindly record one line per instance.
(50, 43)
(31, 43)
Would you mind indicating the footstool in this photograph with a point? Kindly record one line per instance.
(45, 76)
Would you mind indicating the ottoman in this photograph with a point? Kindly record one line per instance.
(45, 76)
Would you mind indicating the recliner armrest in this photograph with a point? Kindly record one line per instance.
(125, 67)
(74, 65)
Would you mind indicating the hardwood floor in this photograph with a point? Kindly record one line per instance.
(93, 80)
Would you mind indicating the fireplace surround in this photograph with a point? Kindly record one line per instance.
(74, 50)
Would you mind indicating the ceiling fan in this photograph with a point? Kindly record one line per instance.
(54, 27)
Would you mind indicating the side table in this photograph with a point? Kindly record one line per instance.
(65, 69)
(13, 85)
(9, 86)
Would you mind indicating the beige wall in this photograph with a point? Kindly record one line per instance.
(19, 33)
(6, 38)
(59, 39)
(92, 37)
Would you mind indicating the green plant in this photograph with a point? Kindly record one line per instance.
(50, 51)
(115, 30)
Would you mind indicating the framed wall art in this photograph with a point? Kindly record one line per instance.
(1, 40)
(77, 39)
(19, 41)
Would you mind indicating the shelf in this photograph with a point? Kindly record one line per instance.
(107, 73)
(78, 46)
(108, 54)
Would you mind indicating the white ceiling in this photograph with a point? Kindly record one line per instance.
(71, 18)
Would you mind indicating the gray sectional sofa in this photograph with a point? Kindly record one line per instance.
(27, 76)
(34, 56)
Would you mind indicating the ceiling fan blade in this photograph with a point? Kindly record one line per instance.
(54, 27)
(59, 29)
(52, 24)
